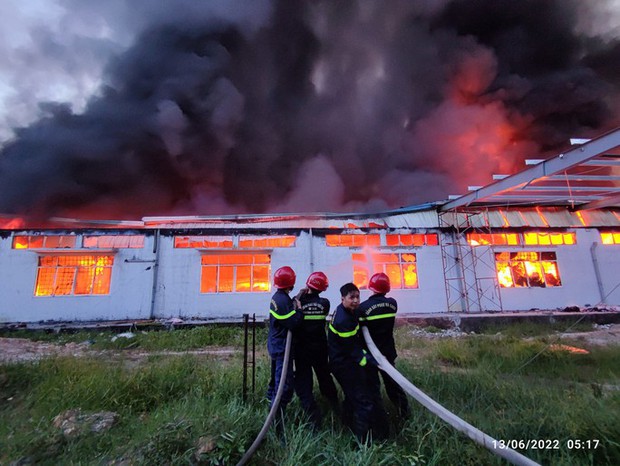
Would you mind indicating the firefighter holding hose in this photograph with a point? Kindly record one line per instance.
(348, 361)
(284, 315)
(311, 349)
(378, 314)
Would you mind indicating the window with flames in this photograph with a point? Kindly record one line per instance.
(527, 269)
(375, 240)
(610, 238)
(66, 275)
(402, 268)
(226, 273)
(530, 238)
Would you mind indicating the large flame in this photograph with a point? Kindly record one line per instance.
(71, 274)
(526, 270)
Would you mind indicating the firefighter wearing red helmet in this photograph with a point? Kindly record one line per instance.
(284, 278)
(317, 281)
(284, 315)
(311, 349)
(379, 283)
(378, 314)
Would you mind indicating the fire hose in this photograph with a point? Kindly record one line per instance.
(275, 405)
(452, 419)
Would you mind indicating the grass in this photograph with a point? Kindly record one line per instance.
(171, 408)
(197, 337)
(528, 329)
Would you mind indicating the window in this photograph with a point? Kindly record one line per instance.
(530, 238)
(392, 240)
(226, 273)
(535, 238)
(114, 241)
(400, 267)
(353, 240)
(267, 242)
(227, 242)
(527, 269)
(203, 242)
(610, 238)
(499, 239)
(73, 275)
(416, 239)
(44, 241)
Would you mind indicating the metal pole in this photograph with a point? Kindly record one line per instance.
(274, 407)
(597, 272)
(253, 354)
(245, 356)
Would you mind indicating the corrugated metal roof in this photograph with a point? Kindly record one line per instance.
(416, 219)
(532, 217)
(551, 217)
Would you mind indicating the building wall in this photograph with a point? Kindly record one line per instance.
(607, 258)
(129, 297)
(178, 284)
(577, 272)
(178, 289)
(174, 274)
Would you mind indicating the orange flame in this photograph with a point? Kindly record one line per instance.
(569, 349)
(526, 273)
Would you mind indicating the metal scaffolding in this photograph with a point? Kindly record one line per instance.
(469, 271)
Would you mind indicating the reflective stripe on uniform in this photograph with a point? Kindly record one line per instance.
(352, 333)
(279, 317)
(314, 317)
(363, 361)
(378, 316)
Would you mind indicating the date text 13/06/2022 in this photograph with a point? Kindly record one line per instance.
(546, 444)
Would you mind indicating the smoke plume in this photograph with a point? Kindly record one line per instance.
(219, 107)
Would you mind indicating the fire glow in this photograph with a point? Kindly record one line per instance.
(527, 269)
(74, 275)
(402, 268)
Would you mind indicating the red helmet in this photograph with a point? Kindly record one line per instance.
(317, 281)
(284, 278)
(379, 283)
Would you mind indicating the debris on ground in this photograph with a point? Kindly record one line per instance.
(74, 422)
(434, 332)
(127, 335)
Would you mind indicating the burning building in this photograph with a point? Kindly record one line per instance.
(547, 237)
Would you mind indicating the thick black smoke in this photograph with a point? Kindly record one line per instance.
(322, 105)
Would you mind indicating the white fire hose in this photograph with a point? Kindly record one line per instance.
(459, 424)
(274, 406)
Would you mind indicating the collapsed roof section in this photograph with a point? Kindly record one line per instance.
(584, 178)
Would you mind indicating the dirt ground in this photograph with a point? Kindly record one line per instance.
(20, 349)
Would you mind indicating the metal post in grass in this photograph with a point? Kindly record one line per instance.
(274, 407)
(253, 354)
(459, 424)
(245, 356)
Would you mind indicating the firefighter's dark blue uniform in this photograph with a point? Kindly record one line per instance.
(378, 314)
(311, 354)
(282, 317)
(347, 359)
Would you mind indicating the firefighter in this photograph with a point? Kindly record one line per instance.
(348, 360)
(378, 314)
(311, 349)
(284, 315)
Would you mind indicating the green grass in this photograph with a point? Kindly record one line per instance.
(527, 329)
(169, 406)
(197, 337)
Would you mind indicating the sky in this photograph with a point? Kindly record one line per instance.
(128, 108)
